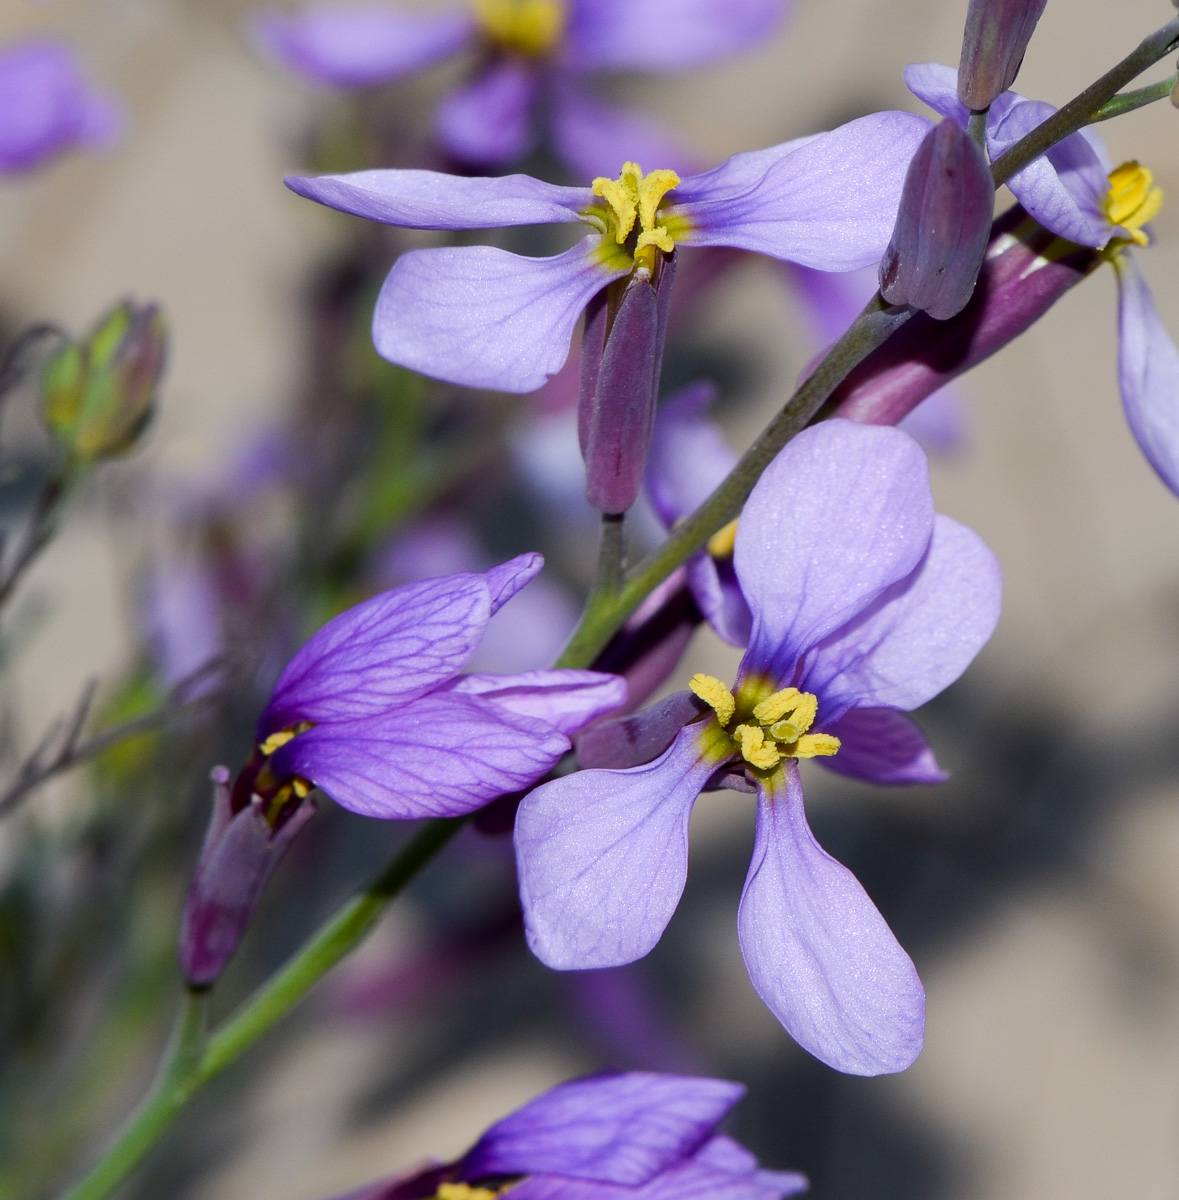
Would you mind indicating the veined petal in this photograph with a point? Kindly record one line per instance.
(1148, 371)
(690, 1180)
(435, 200)
(882, 746)
(440, 756)
(482, 317)
(621, 1129)
(565, 699)
(383, 652)
(665, 35)
(504, 581)
(841, 514)
(919, 635)
(830, 203)
(819, 953)
(356, 47)
(490, 121)
(602, 857)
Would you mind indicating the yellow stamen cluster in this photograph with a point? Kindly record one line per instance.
(778, 728)
(527, 27)
(464, 1191)
(1134, 200)
(633, 199)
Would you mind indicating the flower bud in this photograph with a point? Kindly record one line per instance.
(622, 356)
(97, 394)
(240, 852)
(942, 227)
(997, 35)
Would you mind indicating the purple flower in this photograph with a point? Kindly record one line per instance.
(373, 709)
(47, 107)
(1072, 192)
(864, 604)
(535, 57)
(482, 317)
(627, 1136)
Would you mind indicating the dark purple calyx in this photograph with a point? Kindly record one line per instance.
(996, 38)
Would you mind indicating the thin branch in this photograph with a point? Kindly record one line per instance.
(1128, 101)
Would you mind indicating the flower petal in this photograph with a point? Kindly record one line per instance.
(830, 202)
(441, 756)
(1148, 371)
(818, 952)
(504, 581)
(639, 737)
(490, 121)
(435, 200)
(357, 47)
(665, 35)
(882, 746)
(602, 857)
(841, 514)
(937, 85)
(384, 652)
(689, 1180)
(689, 456)
(567, 700)
(919, 635)
(482, 317)
(621, 1129)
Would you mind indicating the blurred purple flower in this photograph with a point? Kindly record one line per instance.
(481, 317)
(47, 107)
(184, 618)
(535, 57)
(1072, 192)
(865, 604)
(637, 1134)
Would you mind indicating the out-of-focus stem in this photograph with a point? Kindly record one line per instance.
(1139, 98)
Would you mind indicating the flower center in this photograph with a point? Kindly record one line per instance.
(774, 728)
(632, 201)
(528, 27)
(1134, 199)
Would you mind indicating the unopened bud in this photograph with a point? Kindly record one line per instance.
(996, 38)
(240, 852)
(942, 227)
(622, 356)
(97, 394)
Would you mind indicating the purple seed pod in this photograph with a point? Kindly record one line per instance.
(942, 228)
(997, 35)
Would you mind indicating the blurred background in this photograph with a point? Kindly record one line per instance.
(289, 472)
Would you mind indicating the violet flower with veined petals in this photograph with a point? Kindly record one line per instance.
(868, 604)
(530, 82)
(47, 107)
(636, 1134)
(482, 317)
(1071, 192)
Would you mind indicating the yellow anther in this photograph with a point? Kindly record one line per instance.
(816, 745)
(716, 695)
(805, 711)
(721, 544)
(622, 194)
(463, 1191)
(1134, 200)
(275, 740)
(774, 708)
(635, 198)
(528, 27)
(300, 787)
(755, 748)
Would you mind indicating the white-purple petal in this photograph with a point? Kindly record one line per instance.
(1148, 372)
(435, 200)
(602, 857)
(567, 700)
(818, 952)
(937, 85)
(829, 203)
(665, 35)
(358, 47)
(882, 746)
(441, 756)
(621, 1129)
(383, 652)
(840, 515)
(490, 122)
(482, 317)
(918, 636)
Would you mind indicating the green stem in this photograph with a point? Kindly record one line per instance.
(976, 126)
(1139, 98)
(611, 556)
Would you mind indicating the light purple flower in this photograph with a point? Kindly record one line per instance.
(1072, 191)
(482, 317)
(373, 709)
(47, 107)
(530, 81)
(636, 1134)
(865, 604)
